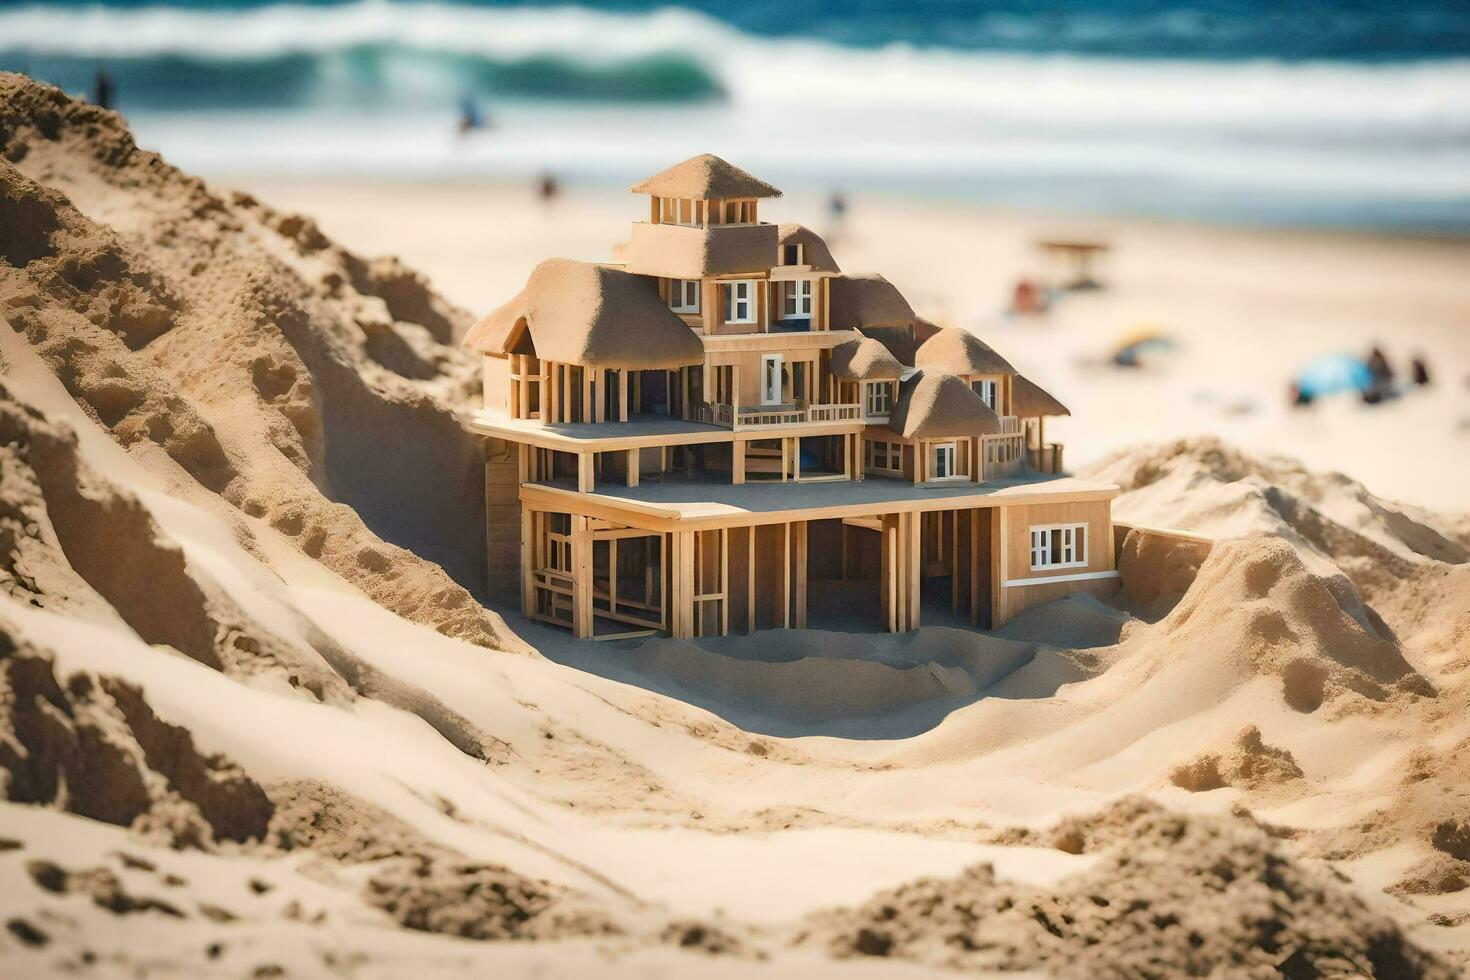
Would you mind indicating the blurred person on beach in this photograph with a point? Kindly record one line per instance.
(836, 215)
(1380, 373)
(1419, 371)
(547, 189)
(471, 119)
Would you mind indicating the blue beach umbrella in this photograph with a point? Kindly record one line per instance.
(1333, 373)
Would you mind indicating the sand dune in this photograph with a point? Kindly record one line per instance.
(253, 719)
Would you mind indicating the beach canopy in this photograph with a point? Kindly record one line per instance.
(867, 300)
(932, 405)
(1333, 373)
(591, 315)
(1029, 400)
(705, 178)
(864, 360)
(818, 255)
(960, 352)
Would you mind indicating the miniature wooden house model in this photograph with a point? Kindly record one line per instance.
(720, 431)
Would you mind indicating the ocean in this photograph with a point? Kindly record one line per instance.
(1308, 113)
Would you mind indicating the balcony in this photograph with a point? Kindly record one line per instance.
(773, 416)
(683, 252)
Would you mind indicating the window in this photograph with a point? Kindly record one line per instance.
(739, 301)
(886, 456)
(986, 390)
(791, 254)
(879, 398)
(1058, 546)
(684, 295)
(797, 300)
(942, 461)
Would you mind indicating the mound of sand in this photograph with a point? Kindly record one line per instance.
(93, 746)
(302, 384)
(1249, 763)
(1174, 896)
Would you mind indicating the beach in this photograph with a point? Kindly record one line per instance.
(1246, 308)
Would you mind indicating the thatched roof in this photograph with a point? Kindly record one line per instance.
(694, 253)
(867, 300)
(818, 255)
(1029, 400)
(933, 404)
(960, 352)
(592, 315)
(864, 360)
(705, 178)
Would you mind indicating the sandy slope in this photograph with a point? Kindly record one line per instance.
(248, 724)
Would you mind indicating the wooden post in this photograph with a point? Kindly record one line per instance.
(954, 561)
(623, 388)
(977, 518)
(528, 547)
(844, 528)
(888, 571)
(737, 461)
(786, 575)
(998, 564)
(913, 570)
(796, 458)
(593, 386)
(750, 585)
(633, 460)
(785, 462)
(585, 481)
(725, 581)
(581, 578)
(800, 531)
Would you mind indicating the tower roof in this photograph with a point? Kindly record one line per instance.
(932, 404)
(592, 315)
(705, 178)
(960, 352)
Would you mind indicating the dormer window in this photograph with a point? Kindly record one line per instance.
(792, 254)
(684, 295)
(796, 301)
(739, 301)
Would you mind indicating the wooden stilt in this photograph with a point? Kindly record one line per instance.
(585, 481)
(737, 461)
(799, 529)
(725, 581)
(750, 585)
(633, 462)
(528, 548)
(786, 575)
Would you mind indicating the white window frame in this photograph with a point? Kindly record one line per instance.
(779, 363)
(730, 300)
(874, 393)
(987, 392)
(796, 299)
(1069, 541)
(953, 449)
(679, 290)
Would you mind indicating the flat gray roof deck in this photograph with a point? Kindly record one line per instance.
(689, 500)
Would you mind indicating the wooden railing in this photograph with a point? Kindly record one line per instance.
(1002, 455)
(718, 413)
(1047, 459)
(1009, 424)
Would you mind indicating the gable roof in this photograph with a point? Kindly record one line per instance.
(960, 352)
(932, 404)
(591, 315)
(867, 300)
(705, 178)
(864, 360)
(818, 255)
(1030, 400)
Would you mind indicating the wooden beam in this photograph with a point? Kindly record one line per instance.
(581, 578)
(977, 519)
(623, 389)
(915, 565)
(725, 581)
(585, 481)
(737, 461)
(786, 575)
(750, 585)
(634, 456)
(528, 547)
(800, 531)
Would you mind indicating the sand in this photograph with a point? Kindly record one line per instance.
(253, 720)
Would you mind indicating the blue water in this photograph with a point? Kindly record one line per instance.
(1342, 113)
